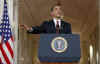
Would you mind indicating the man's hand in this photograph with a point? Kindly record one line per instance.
(24, 26)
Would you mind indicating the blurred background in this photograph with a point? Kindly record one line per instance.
(83, 16)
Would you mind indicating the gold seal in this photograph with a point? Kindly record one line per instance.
(59, 44)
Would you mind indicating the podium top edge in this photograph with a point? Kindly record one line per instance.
(59, 34)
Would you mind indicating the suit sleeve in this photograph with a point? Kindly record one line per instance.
(68, 28)
(38, 29)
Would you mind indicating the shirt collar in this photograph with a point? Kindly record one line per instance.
(55, 21)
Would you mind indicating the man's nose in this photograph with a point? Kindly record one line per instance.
(59, 11)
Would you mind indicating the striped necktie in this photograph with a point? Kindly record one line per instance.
(57, 27)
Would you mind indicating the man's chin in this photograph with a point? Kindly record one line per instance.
(58, 17)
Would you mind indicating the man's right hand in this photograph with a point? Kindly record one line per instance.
(24, 26)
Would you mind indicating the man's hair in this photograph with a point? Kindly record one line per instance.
(54, 6)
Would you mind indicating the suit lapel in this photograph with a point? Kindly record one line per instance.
(61, 24)
(53, 26)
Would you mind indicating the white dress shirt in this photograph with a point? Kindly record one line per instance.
(55, 22)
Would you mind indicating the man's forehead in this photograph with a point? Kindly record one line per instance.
(57, 7)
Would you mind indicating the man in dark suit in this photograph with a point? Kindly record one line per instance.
(56, 25)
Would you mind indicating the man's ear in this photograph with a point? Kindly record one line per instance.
(51, 14)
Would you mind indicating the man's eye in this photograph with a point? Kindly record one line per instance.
(56, 8)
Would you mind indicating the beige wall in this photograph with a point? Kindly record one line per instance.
(82, 14)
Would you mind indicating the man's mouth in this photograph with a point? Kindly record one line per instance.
(59, 16)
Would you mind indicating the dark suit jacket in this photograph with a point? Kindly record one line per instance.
(49, 27)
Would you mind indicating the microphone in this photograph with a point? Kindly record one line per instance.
(61, 17)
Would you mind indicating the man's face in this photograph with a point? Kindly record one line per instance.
(57, 12)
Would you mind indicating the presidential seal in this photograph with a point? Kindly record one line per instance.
(59, 44)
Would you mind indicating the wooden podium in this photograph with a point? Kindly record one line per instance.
(34, 38)
(58, 63)
(67, 52)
